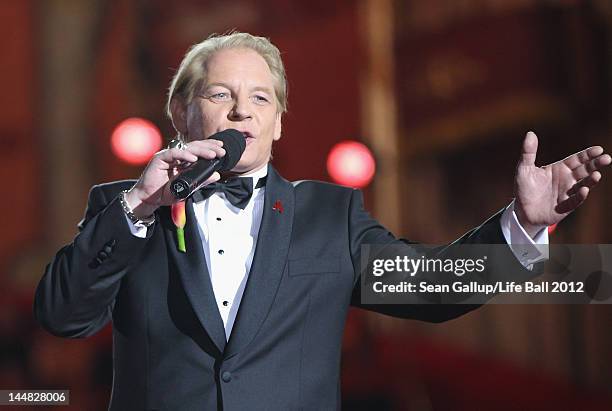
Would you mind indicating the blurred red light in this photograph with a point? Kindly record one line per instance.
(135, 140)
(351, 163)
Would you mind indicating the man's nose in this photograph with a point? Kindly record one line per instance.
(241, 109)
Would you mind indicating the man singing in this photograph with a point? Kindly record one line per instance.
(250, 314)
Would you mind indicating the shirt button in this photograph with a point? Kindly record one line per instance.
(221, 252)
(225, 303)
(226, 376)
(218, 218)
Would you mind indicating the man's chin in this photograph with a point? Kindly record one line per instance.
(246, 166)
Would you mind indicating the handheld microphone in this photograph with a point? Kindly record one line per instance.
(192, 178)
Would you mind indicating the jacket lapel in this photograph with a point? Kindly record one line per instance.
(193, 272)
(268, 263)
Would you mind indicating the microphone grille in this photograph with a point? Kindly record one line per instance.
(234, 144)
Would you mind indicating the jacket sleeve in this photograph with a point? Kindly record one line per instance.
(76, 295)
(365, 230)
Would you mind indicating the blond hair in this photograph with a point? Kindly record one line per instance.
(192, 70)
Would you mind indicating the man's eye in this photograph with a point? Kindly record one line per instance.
(220, 96)
(260, 99)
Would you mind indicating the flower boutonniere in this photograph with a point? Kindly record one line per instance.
(179, 219)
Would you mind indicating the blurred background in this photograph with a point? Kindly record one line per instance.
(441, 92)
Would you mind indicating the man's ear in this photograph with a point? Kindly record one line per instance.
(278, 126)
(179, 115)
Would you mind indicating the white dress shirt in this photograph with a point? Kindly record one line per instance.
(526, 249)
(229, 235)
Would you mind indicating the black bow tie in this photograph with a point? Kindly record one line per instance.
(238, 190)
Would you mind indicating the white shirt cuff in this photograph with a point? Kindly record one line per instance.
(526, 249)
(138, 229)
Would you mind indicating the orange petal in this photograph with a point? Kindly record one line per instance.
(178, 214)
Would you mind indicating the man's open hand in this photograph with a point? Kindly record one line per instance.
(545, 195)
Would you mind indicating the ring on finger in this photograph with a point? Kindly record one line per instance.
(176, 143)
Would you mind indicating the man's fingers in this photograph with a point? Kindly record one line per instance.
(213, 178)
(217, 142)
(591, 180)
(176, 159)
(588, 182)
(605, 160)
(172, 155)
(208, 149)
(529, 150)
(573, 201)
(591, 166)
(581, 157)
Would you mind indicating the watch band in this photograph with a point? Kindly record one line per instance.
(147, 221)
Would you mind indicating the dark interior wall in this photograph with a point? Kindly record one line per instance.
(19, 142)
(322, 109)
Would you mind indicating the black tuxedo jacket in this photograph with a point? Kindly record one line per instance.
(169, 345)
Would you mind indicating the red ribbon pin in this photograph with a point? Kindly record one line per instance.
(278, 206)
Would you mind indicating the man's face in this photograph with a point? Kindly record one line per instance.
(238, 93)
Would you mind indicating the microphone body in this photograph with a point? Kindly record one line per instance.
(193, 177)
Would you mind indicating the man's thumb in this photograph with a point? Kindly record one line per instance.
(529, 151)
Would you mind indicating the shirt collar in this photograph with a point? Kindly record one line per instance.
(257, 174)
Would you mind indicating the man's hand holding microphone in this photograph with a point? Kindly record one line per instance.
(175, 172)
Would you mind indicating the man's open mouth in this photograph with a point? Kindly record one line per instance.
(248, 136)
